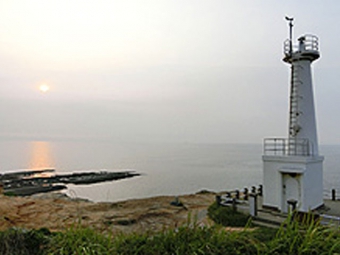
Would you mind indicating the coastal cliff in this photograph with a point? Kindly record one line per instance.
(57, 212)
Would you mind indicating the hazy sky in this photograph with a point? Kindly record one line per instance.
(175, 70)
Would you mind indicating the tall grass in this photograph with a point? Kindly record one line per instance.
(189, 239)
(80, 240)
(292, 238)
(308, 237)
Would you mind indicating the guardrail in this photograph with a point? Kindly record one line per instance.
(287, 146)
(310, 42)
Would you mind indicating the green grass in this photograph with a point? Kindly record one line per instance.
(306, 238)
(227, 216)
(10, 194)
(188, 239)
(292, 237)
(80, 240)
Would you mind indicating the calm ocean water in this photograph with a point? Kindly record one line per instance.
(167, 169)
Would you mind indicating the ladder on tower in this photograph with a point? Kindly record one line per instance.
(294, 111)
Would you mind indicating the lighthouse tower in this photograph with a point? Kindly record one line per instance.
(292, 167)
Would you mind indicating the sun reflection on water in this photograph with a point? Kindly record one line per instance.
(41, 156)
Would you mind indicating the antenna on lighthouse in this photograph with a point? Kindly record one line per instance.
(290, 33)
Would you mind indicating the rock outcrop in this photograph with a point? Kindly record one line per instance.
(58, 212)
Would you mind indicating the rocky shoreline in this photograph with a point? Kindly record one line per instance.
(29, 182)
(58, 212)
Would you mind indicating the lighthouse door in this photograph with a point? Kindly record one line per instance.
(290, 190)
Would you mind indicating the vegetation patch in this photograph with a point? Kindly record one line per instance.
(10, 194)
(205, 191)
(291, 238)
(227, 216)
(16, 241)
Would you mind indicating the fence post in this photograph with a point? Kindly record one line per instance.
(292, 205)
(218, 200)
(245, 192)
(333, 195)
(260, 190)
(234, 205)
(237, 194)
(253, 204)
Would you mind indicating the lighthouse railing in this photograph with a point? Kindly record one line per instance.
(310, 42)
(287, 147)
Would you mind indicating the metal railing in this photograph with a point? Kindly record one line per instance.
(311, 43)
(287, 147)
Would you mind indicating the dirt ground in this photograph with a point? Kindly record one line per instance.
(57, 212)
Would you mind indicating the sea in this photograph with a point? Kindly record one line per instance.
(166, 168)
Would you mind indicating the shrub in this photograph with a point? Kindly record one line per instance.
(16, 241)
(227, 216)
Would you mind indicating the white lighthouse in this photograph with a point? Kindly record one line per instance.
(292, 167)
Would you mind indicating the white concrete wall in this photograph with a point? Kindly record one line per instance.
(313, 186)
(272, 186)
(310, 178)
(306, 119)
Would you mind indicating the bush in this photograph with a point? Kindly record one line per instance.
(17, 241)
(227, 216)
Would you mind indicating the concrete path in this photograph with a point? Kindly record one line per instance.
(330, 214)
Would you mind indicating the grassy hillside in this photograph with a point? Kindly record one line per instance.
(291, 238)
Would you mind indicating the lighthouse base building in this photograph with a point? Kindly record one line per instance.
(292, 180)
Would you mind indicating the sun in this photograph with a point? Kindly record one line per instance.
(44, 88)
